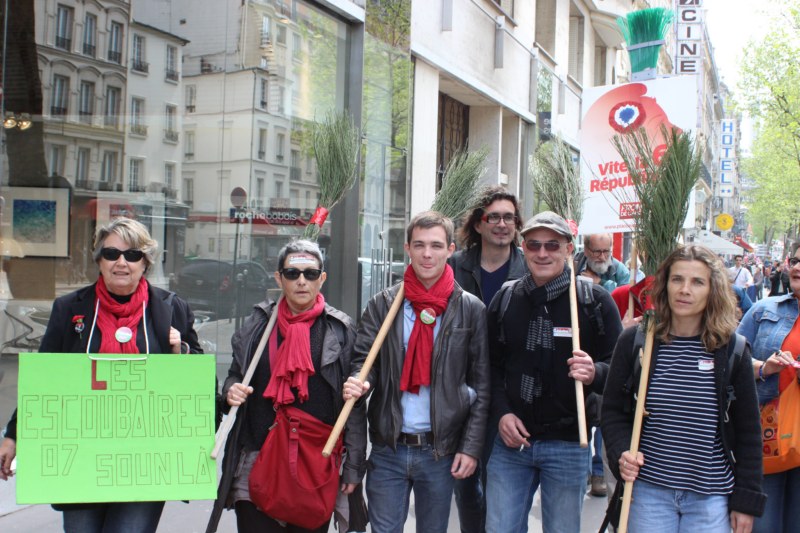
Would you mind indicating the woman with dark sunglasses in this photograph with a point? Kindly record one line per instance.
(121, 313)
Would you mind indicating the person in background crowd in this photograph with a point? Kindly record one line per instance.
(779, 279)
(739, 273)
(534, 369)
(758, 282)
(430, 385)
(597, 262)
(121, 313)
(699, 464)
(773, 329)
(490, 257)
(307, 333)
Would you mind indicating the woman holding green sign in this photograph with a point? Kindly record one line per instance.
(121, 313)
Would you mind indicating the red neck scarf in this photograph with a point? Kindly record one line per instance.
(113, 315)
(417, 365)
(293, 361)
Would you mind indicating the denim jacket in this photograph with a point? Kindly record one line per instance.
(765, 326)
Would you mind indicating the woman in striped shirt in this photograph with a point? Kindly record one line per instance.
(699, 464)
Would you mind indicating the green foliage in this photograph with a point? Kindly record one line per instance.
(644, 26)
(460, 182)
(336, 146)
(663, 186)
(556, 179)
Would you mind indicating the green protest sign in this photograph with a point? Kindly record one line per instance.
(115, 428)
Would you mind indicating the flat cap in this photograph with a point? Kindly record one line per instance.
(548, 220)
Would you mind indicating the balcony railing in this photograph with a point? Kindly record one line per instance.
(115, 56)
(85, 117)
(172, 75)
(89, 49)
(189, 156)
(65, 43)
(135, 188)
(58, 111)
(263, 104)
(190, 108)
(112, 121)
(171, 136)
(140, 66)
(139, 129)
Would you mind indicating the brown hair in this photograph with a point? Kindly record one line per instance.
(430, 219)
(467, 234)
(719, 317)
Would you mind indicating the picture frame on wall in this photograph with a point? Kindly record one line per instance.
(37, 218)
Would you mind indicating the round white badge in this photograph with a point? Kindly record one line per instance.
(123, 334)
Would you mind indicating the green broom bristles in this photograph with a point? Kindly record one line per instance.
(644, 26)
(336, 146)
(556, 179)
(459, 182)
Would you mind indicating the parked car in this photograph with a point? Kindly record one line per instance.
(210, 285)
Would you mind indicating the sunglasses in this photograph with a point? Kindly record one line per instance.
(550, 246)
(793, 262)
(495, 218)
(131, 256)
(311, 274)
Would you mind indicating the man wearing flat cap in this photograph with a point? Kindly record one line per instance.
(533, 391)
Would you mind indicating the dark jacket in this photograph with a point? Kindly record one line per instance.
(460, 360)
(779, 282)
(336, 350)
(466, 266)
(164, 309)
(740, 424)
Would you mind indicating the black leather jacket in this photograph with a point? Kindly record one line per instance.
(460, 360)
(466, 266)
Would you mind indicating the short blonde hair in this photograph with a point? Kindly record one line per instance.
(133, 232)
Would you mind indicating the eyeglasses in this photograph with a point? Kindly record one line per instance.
(600, 252)
(311, 274)
(131, 256)
(495, 218)
(793, 262)
(550, 246)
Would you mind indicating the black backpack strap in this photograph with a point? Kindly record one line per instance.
(592, 308)
(505, 293)
(631, 386)
(735, 352)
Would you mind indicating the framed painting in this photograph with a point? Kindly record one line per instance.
(38, 219)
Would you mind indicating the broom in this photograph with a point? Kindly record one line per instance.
(663, 188)
(644, 33)
(556, 180)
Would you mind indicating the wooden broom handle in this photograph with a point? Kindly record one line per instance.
(576, 345)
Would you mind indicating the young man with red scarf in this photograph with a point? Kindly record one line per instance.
(306, 360)
(430, 385)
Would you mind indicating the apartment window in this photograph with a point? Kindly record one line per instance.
(56, 157)
(170, 130)
(265, 26)
(64, 18)
(281, 37)
(188, 191)
(191, 98)
(296, 45)
(108, 173)
(264, 93)
(137, 117)
(281, 99)
(60, 96)
(135, 176)
(90, 35)
(138, 62)
(113, 96)
(262, 144)
(169, 175)
(294, 169)
(115, 43)
(308, 201)
(86, 102)
(575, 60)
(172, 63)
(212, 241)
(259, 192)
(280, 141)
(82, 167)
(188, 145)
(278, 188)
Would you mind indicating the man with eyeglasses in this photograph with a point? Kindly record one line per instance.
(490, 256)
(597, 262)
(429, 385)
(533, 383)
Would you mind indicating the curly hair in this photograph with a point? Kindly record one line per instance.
(719, 316)
(132, 232)
(467, 234)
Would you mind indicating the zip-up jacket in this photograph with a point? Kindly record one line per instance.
(460, 361)
(466, 266)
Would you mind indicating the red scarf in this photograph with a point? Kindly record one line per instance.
(417, 365)
(293, 360)
(113, 315)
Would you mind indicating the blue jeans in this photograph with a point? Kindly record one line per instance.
(124, 517)
(514, 476)
(596, 454)
(782, 513)
(392, 475)
(471, 492)
(656, 509)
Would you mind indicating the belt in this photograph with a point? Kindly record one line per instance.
(416, 439)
